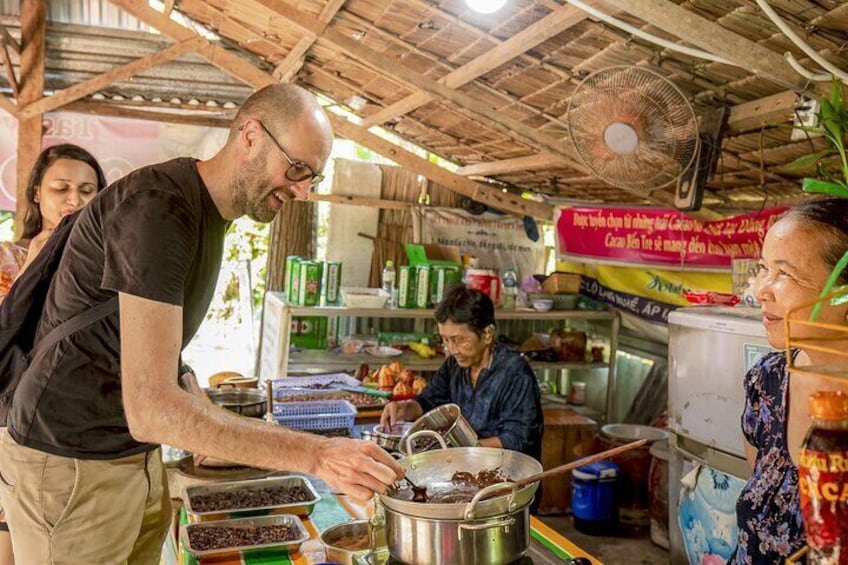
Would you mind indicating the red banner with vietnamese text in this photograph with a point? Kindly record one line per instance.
(660, 237)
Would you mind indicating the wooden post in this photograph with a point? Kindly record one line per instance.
(31, 83)
(291, 234)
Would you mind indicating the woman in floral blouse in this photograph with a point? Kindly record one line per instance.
(799, 252)
(64, 179)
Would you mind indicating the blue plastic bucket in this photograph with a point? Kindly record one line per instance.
(593, 500)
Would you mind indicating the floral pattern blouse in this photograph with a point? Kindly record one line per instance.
(12, 257)
(768, 510)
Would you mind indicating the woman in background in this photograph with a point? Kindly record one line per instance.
(799, 252)
(64, 179)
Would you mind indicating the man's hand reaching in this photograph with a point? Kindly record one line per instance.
(357, 468)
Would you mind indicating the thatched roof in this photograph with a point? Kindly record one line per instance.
(489, 93)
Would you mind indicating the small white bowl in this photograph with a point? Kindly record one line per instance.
(543, 304)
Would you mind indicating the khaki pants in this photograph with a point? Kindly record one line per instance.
(78, 511)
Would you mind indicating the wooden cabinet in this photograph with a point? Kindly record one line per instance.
(568, 437)
(277, 361)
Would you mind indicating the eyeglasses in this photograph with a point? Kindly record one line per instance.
(298, 171)
(459, 341)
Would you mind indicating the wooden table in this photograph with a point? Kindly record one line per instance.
(547, 547)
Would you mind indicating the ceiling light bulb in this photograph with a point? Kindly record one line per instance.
(485, 6)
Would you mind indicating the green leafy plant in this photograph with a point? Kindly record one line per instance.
(833, 125)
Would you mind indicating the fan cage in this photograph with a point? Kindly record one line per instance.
(657, 112)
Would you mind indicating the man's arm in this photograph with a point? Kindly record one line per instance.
(159, 411)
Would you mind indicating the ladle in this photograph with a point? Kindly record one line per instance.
(419, 494)
(580, 462)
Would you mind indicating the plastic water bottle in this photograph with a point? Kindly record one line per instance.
(388, 283)
(510, 289)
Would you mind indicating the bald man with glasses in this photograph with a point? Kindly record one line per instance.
(81, 470)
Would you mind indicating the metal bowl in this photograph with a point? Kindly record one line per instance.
(389, 440)
(447, 420)
(353, 528)
(245, 401)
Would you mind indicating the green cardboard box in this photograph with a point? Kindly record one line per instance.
(309, 332)
(433, 254)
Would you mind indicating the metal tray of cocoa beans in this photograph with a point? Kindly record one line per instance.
(196, 546)
(200, 514)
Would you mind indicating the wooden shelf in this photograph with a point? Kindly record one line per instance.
(277, 359)
(427, 313)
(318, 360)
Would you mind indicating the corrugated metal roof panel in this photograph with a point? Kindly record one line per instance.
(87, 12)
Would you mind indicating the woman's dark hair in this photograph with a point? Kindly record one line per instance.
(463, 305)
(32, 218)
(830, 215)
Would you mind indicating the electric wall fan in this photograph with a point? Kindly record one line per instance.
(633, 128)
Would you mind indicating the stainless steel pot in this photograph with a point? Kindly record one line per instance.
(448, 421)
(434, 469)
(494, 541)
(495, 530)
(245, 401)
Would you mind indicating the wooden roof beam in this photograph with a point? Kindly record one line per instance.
(119, 111)
(836, 18)
(9, 106)
(528, 38)
(243, 70)
(757, 113)
(101, 81)
(712, 37)
(464, 103)
(10, 72)
(31, 76)
(238, 67)
(528, 163)
(6, 37)
(493, 197)
(361, 201)
(473, 108)
(508, 101)
(292, 63)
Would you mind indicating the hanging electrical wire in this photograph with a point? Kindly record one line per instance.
(800, 43)
(805, 72)
(670, 45)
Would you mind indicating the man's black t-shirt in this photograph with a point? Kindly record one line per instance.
(156, 234)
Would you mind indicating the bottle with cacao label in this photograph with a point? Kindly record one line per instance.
(823, 479)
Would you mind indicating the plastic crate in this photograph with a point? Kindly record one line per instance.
(317, 415)
(307, 382)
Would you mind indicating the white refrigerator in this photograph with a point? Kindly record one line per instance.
(710, 350)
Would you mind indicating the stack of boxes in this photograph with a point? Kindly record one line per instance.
(432, 270)
(313, 283)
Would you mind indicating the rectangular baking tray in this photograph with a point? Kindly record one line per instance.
(298, 508)
(289, 520)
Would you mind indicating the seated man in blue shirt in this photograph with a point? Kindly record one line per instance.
(494, 387)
